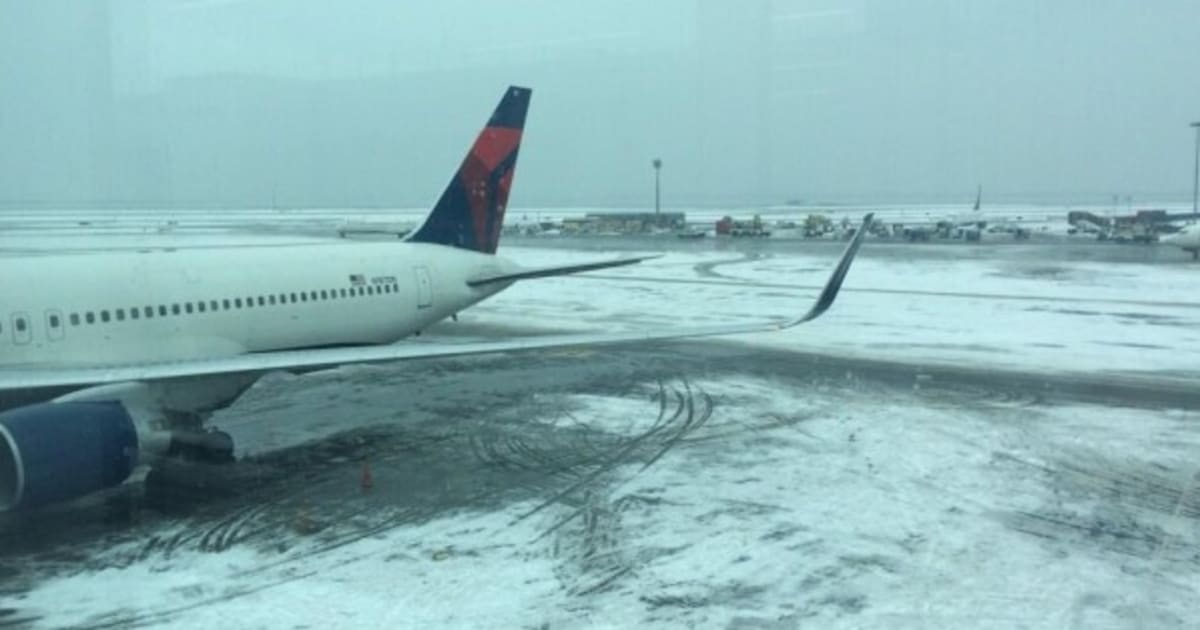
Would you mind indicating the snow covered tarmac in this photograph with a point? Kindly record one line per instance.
(861, 471)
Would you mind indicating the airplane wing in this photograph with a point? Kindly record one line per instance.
(34, 376)
(546, 272)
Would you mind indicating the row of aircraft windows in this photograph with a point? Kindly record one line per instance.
(201, 306)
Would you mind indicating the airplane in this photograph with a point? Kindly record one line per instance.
(110, 361)
(1187, 239)
(962, 226)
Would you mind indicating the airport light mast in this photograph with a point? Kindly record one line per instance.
(657, 163)
(1196, 168)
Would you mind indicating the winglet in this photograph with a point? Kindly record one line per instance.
(834, 284)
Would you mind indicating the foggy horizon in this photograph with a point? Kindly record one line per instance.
(261, 104)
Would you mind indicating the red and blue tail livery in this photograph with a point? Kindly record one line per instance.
(470, 212)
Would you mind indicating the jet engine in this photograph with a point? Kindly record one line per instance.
(58, 451)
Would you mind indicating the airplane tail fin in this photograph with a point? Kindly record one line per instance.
(470, 212)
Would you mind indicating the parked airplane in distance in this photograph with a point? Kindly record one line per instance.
(114, 360)
(1187, 239)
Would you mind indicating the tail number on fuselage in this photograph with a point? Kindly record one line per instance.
(424, 287)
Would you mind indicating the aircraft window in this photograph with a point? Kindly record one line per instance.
(225, 304)
(200, 306)
(271, 299)
(249, 302)
(324, 294)
(213, 306)
(104, 316)
(90, 317)
(174, 309)
(343, 292)
(20, 324)
(74, 319)
(54, 321)
(120, 314)
(312, 296)
(162, 310)
(362, 290)
(187, 308)
(262, 301)
(237, 302)
(134, 313)
(148, 311)
(293, 298)
(303, 296)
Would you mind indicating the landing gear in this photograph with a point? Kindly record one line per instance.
(194, 470)
(215, 447)
(180, 486)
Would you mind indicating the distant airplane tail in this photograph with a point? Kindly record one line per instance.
(470, 212)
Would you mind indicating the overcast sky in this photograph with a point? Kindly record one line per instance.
(373, 102)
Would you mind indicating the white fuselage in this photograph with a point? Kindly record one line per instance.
(161, 305)
(1188, 238)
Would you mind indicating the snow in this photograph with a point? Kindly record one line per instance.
(797, 504)
(1036, 316)
(858, 511)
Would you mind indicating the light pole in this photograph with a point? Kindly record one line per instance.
(1196, 168)
(657, 163)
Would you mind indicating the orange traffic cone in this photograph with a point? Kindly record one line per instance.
(368, 481)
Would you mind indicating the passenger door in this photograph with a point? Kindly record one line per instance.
(424, 287)
(22, 328)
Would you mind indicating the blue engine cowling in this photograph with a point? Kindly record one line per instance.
(54, 452)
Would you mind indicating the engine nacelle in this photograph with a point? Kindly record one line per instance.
(59, 451)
